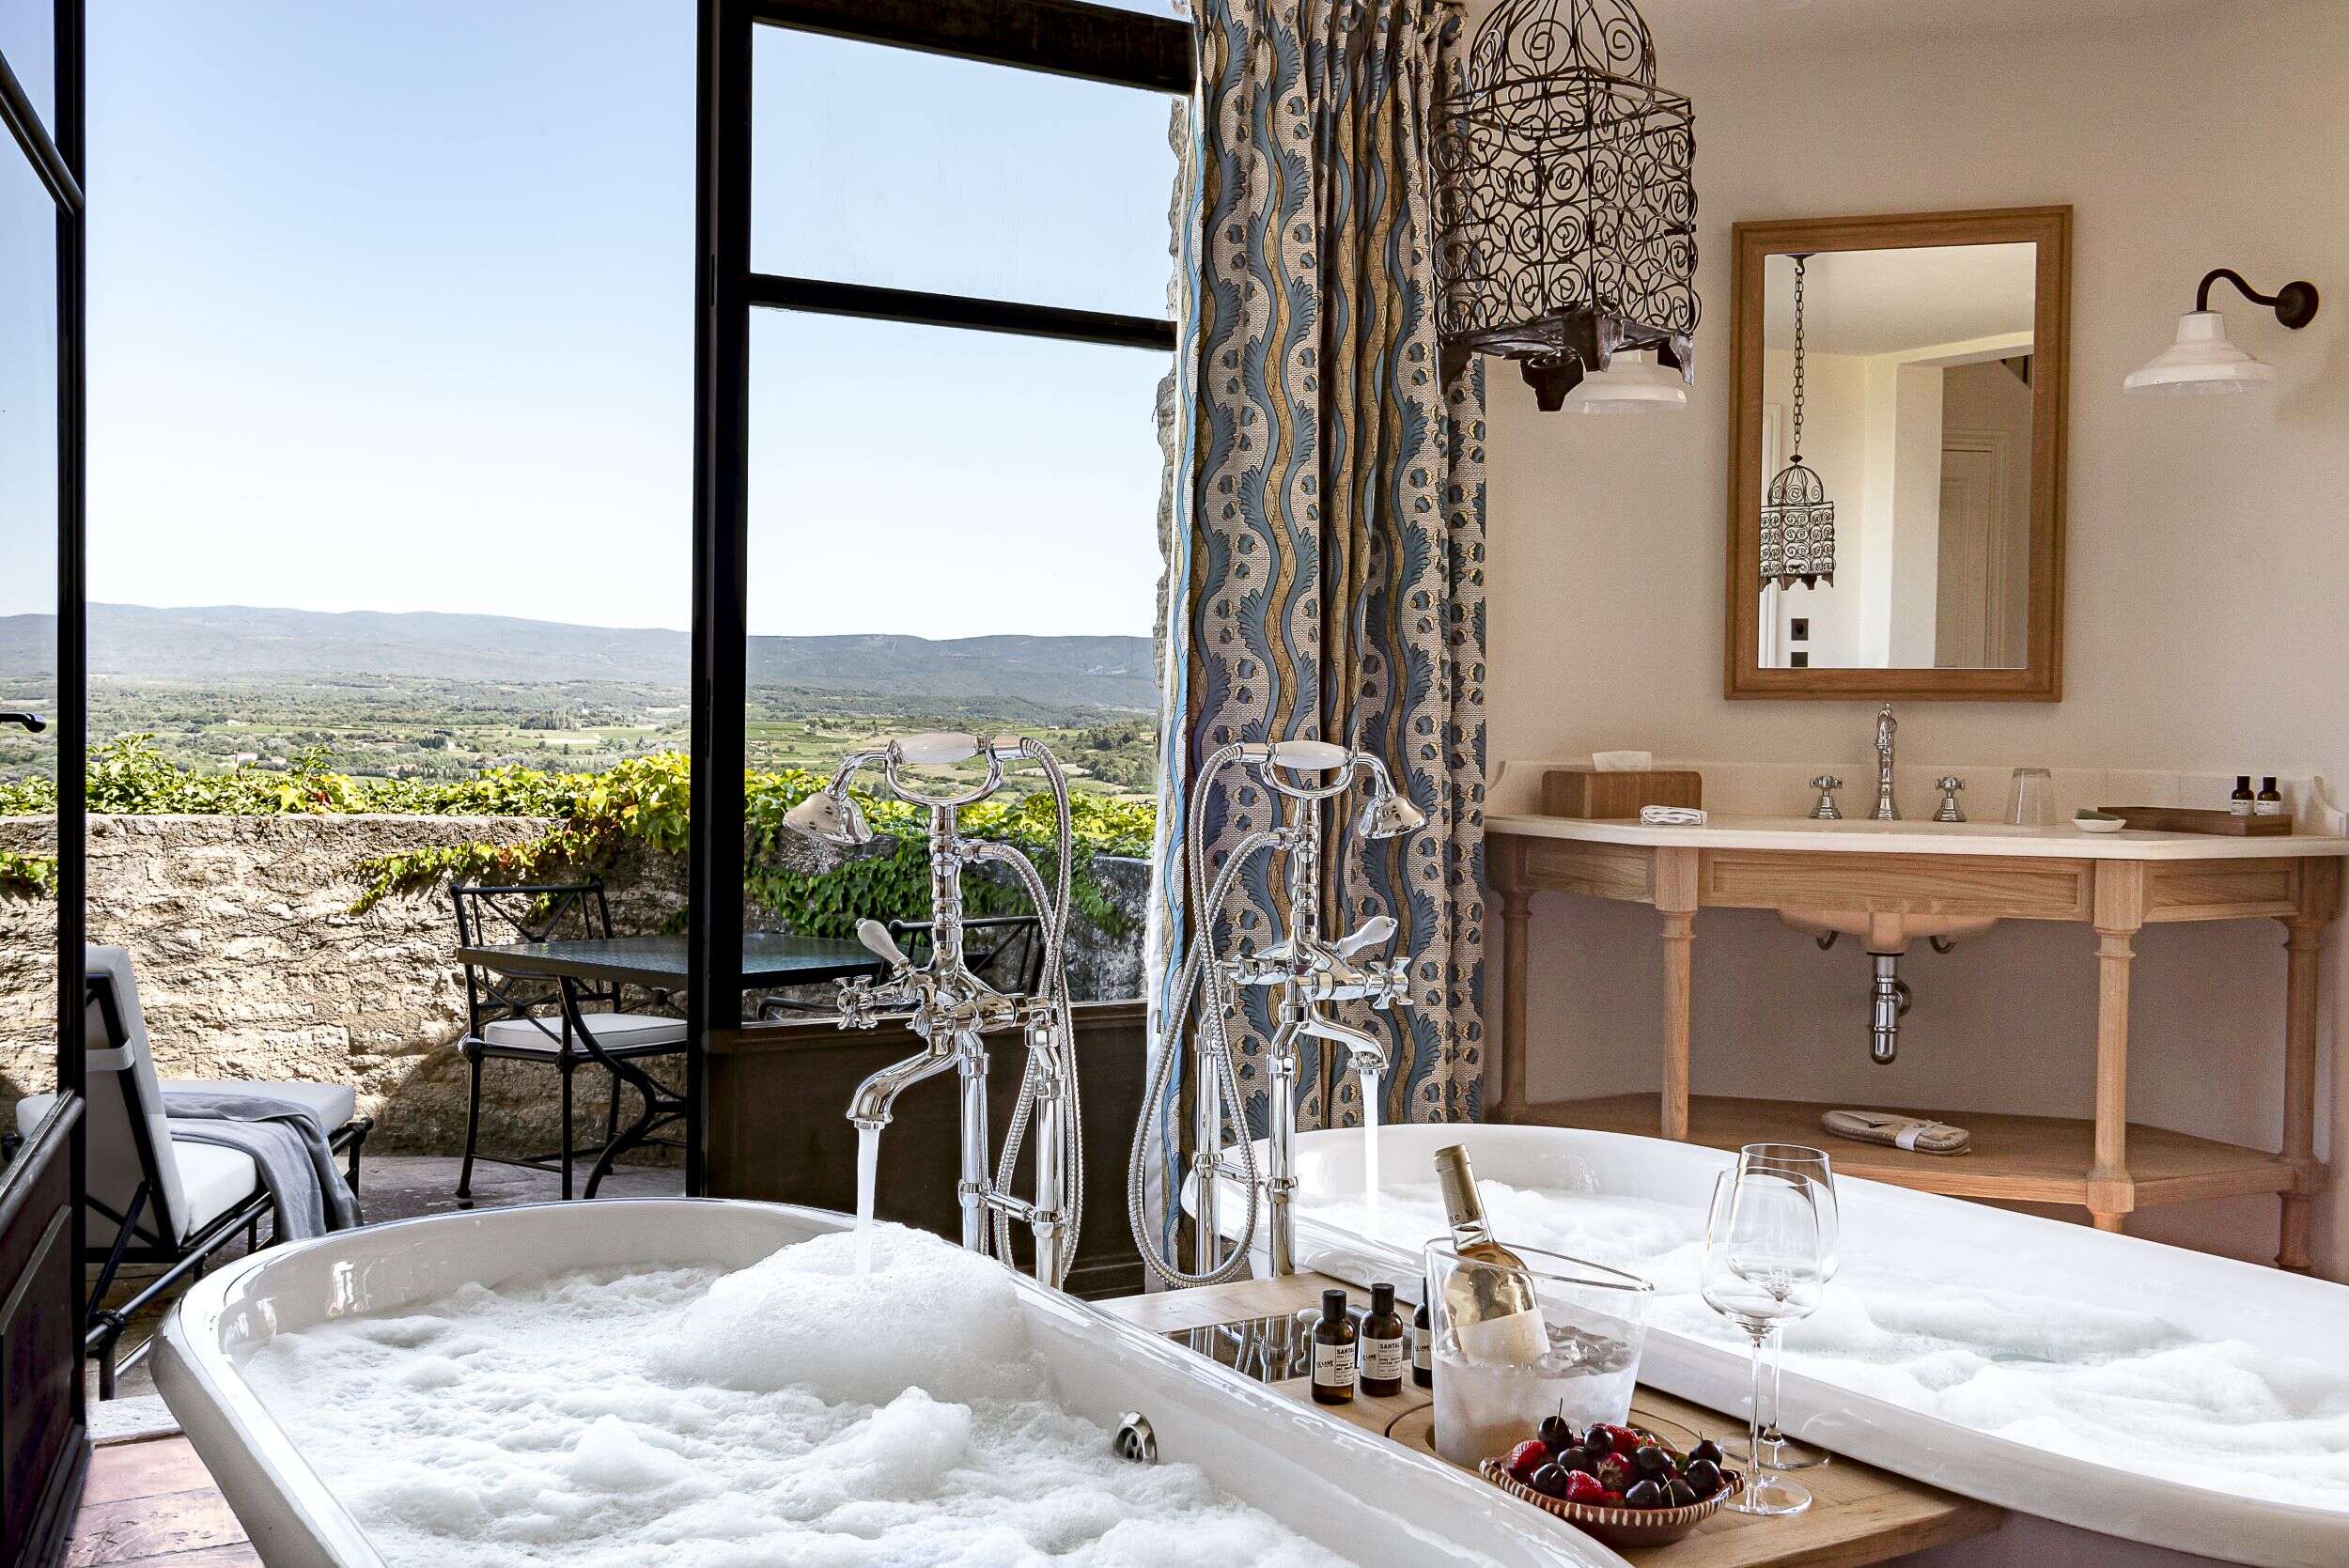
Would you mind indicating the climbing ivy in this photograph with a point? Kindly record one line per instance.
(645, 803)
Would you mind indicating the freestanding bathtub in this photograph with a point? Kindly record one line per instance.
(1361, 1497)
(2206, 1296)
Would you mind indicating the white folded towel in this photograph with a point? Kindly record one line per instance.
(1671, 816)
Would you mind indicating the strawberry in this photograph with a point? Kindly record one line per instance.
(1586, 1488)
(1616, 1474)
(1527, 1457)
(1622, 1438)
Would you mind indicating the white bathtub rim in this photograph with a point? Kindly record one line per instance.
(232, 1429)
(1896, 1438)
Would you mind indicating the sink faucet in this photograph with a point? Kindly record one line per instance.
(1886, 811)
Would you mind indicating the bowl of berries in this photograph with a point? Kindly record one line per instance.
(1622, 1483)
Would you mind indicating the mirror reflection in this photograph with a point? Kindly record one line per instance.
(1896, 458)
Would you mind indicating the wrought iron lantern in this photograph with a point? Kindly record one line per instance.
(1568, 199)
(1798, 518)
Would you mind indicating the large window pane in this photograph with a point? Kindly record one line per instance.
(955, 530)
(881, 165)
(28, 626)
(28, 40)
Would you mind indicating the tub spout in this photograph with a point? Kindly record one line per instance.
(875, 1098)
(1369, 1055)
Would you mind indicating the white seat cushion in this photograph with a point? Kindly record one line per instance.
(333, 1104)
(215, 1179)
(616, 1030)
(29, 1111)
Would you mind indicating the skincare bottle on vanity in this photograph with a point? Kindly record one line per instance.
(2270, 801)
(1422, 1338)
(1382, 1343)
(1333, 1351)
(2239, 803)
(1496, 1318)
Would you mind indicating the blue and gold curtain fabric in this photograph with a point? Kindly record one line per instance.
(1326, 506)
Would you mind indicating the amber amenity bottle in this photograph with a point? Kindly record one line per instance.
(1423, 1348)
(1334, 1342)
(1383, 1352)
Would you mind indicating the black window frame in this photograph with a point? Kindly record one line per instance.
(55, 150)
(1064, 38)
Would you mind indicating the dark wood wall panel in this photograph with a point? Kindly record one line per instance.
(779, 1128)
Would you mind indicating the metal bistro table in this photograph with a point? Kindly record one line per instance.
(769, 958)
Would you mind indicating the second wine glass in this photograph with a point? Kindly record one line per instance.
(1762, 1269)
(1779, 1452)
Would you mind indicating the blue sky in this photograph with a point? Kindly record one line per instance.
(390, 309)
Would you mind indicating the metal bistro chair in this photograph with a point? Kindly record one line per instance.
(1005, 951)
(519, 1018)
(153, 1200)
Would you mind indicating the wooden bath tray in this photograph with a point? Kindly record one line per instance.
(2186, 819)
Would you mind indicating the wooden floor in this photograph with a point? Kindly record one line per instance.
(153, 1504)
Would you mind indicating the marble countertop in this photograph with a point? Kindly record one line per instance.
(1869, 837)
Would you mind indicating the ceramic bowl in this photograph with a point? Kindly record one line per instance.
(1619, 1526)
(2097, 825)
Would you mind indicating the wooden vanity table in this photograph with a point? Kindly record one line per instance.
(2114, 883)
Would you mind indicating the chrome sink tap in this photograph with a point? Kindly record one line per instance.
(1886, 724)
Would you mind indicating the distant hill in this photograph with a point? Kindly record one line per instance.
(235, 643)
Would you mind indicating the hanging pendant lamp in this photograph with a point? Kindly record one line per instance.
(1567, 202)
(1798, 518)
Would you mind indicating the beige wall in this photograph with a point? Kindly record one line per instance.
(2208, 604)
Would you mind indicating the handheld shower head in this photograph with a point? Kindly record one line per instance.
(831, 814)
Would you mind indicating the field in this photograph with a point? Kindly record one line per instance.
(439, 729)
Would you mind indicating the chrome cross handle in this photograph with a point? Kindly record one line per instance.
(1825, 810)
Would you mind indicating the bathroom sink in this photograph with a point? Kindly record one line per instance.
(1886, 933)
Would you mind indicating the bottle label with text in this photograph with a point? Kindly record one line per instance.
(1333, 1365)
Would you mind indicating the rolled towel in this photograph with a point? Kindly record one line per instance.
(1922, 1134)
(1671, 816)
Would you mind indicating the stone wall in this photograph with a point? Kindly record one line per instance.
(251, 964)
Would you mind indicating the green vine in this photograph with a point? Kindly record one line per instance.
(643, 803)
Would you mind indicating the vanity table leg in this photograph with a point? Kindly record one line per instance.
(1517, 909)
(2120, 912)
(1676, 901)
(2300, 949)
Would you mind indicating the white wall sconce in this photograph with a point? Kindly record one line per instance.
(2202, 360)
(1633, 383)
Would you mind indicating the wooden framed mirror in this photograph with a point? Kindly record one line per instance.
(1910, 545)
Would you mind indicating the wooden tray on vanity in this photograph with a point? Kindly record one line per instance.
(2184, 819)
(1587, 793)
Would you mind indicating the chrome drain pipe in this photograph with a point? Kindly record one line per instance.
(1887, 1000)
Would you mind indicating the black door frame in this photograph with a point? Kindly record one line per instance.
(1066, 38)
(55, 153)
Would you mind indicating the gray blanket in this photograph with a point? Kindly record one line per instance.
(306, 1188)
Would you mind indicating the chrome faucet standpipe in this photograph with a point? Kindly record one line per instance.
(954, 1011)
(1305, 971)
(1886, 724)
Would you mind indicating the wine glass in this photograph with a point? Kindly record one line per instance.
(1761, 1267)
(1779, 1452)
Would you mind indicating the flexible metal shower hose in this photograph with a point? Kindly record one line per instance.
(1198, 970)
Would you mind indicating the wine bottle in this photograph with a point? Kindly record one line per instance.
(1333, 1351)
(1382, 1343)
(1495, 1317)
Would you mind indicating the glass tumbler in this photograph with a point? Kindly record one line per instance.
(2031, 798)
(1551, 1335)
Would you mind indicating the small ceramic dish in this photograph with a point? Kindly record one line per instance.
(2096, 822)
(1619, 1526)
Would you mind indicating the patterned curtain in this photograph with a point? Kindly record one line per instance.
(1325, 512)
